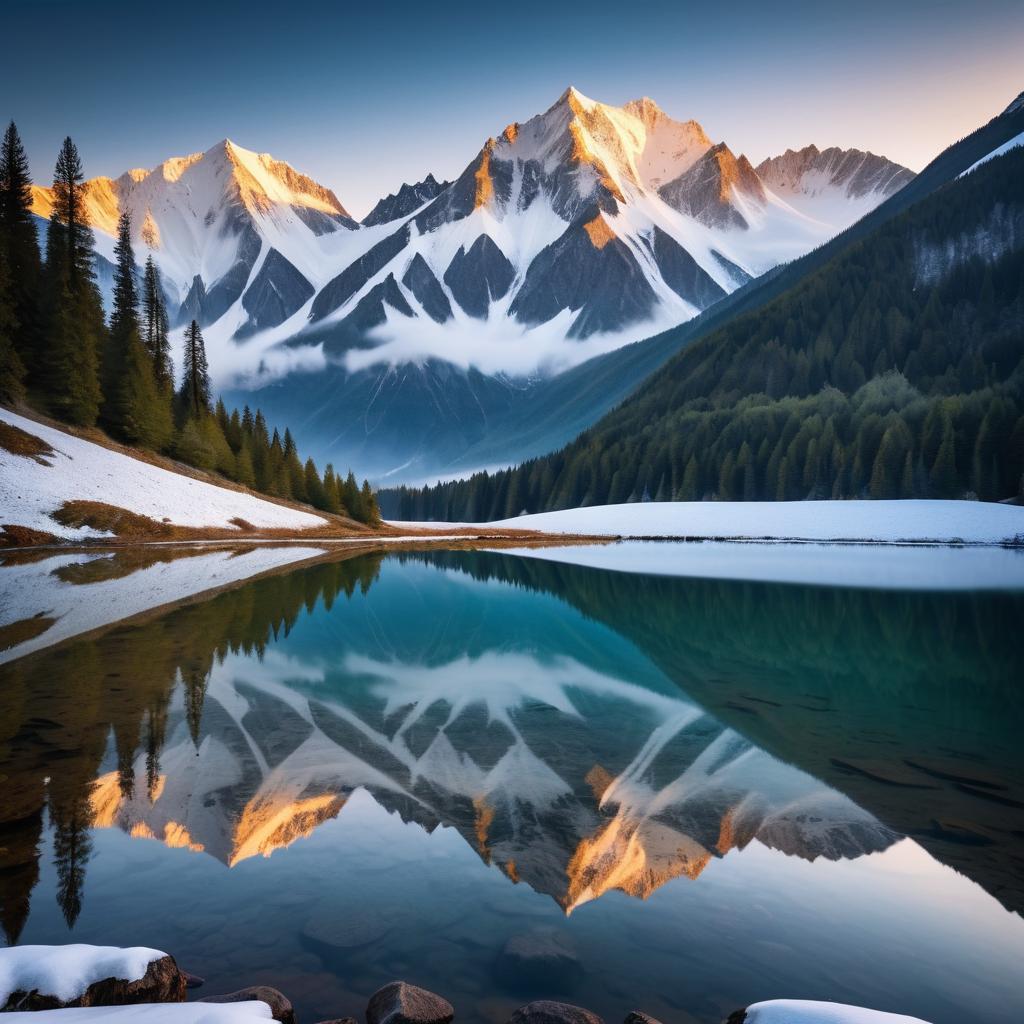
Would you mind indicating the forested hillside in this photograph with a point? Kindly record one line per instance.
(60, 356)
(895, 370)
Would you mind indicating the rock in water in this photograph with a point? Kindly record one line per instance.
(163, 982)
(639, 1017)
(402, 1003)
(280, 1005)
(193, 980)
(543, 1011)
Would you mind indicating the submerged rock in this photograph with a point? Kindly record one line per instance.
(193, 980)
(540, 958)
(402, 1003)
(163, 982)
(544, 1011)
(280, 1005)
(639, 1017)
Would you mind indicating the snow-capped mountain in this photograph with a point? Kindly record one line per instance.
(819, 182)
(567, 236)
(472, 744)
(585, 222)
(229, 228)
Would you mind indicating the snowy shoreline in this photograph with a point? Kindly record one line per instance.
(860, 522)
(91, 983)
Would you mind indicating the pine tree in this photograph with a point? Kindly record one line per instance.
(371, 514)
(154, 327)
(350, 497)
(332, 496)
(69, 363)
(12, 369)
(944, 480)
(69, 212)
(195, 378)
(19, 245)
(134, 408)
(314, 487)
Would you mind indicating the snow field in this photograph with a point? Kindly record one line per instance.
(81, 470)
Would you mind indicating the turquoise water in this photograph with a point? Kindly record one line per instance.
(697, 793)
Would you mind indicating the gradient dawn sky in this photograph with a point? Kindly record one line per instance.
(363, 97)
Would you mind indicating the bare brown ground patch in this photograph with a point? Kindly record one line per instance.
(19, 442)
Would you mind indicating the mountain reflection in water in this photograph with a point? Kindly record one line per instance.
(672, 722)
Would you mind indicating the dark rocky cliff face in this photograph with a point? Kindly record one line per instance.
(705, 191)
(277, 291)
(407, 200)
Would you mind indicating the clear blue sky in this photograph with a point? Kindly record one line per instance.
(365, 96)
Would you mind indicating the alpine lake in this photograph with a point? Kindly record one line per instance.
(504, 777)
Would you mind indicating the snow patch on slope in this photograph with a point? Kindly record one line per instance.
(1017, 140)
(81, 470)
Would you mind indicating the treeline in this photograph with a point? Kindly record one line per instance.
(895, 371)
(58, 353)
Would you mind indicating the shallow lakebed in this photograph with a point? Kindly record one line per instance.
(505, 777)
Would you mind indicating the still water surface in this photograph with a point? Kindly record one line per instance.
(691, 793)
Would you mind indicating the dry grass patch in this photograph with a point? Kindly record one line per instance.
(19, 442)
(14, 536)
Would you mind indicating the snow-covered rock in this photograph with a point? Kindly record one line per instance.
(79, 470)
(42, 977)
(804, 1011)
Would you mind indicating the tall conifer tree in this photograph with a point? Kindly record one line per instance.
(69, 362)
(12, 369)
(195, 376)
(155, 326)
(20, 246)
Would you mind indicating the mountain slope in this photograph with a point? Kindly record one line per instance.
(843, 385)
(42, 469)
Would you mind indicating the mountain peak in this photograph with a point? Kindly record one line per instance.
(813, 172)
(1017, 104)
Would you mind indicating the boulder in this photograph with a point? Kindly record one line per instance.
(544, 1011)
(402, 1003)
(542, 959)
(639, 1017)
(280, 1005)
(193, 980)
(163, 982)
